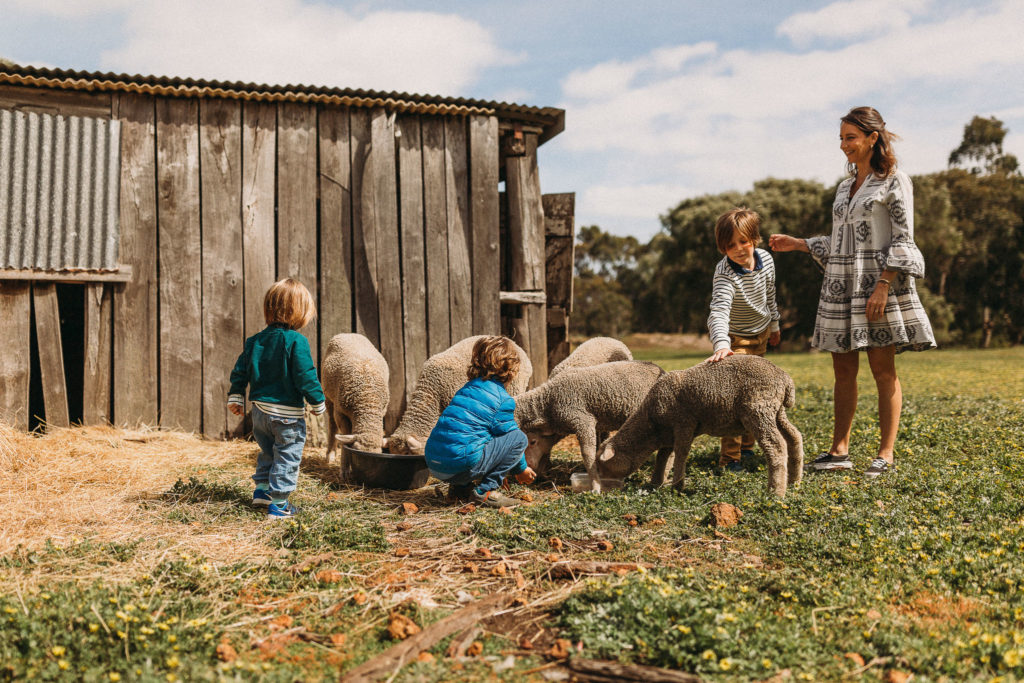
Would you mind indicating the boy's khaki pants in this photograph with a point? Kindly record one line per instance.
(748, 346)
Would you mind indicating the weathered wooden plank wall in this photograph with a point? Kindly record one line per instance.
(559, 238)
(390, 221)
(51, 355)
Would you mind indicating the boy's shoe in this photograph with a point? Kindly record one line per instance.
(282, 510)
(746, 454)
(734, 466)
(261, 498)
(878, 468)
(826, 462)
(492, 499)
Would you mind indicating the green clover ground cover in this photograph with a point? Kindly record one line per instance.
(921, 570)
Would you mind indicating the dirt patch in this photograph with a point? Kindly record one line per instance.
(675, 342)
(931, 609)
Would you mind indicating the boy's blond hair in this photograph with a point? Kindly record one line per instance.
(289, 303)
(747, 222)
(494, 358)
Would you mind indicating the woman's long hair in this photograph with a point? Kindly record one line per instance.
(883, 157)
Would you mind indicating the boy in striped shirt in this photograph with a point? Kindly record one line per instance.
(744, 317)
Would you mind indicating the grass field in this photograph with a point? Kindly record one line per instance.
(134, 555)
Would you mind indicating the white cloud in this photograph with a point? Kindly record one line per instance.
(70, 9)
(735, 116)
(293, 41)
(631, 201)
(850, 19)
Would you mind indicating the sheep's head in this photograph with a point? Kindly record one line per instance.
(538, 450)
(362, 442)
(405, 444)
(609, 465)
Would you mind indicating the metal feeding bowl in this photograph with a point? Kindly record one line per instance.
(387, 470)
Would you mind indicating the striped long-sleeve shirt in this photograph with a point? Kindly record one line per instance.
(742, 301)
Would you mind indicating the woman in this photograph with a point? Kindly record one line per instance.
(868, 299)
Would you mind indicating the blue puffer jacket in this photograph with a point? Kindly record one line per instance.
(479, 411)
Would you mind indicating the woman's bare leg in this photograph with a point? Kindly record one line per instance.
(890, 397)
(844, 368)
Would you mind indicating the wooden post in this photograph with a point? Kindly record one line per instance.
(135, 303)
(220, 148)
(335, 225)
(414, 285)
(483, 181)
(51, 355)
(181, 346)
(559, 236)
(259, 257)
(96, 371)
(364, 242)
(526, 253)
(383, 165)
(296, 202)
(460, 237)
(15, 336)
(435, 227)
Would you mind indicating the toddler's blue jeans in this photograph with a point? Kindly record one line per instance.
(500, 455)
(281, 440)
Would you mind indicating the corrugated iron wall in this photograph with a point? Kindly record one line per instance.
(59, 180)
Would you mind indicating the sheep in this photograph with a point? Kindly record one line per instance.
(442, 375)
(592, 352)
(355, 380)
(735, 395)
(583, 401)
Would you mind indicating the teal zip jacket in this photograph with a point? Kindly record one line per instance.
(278, 368)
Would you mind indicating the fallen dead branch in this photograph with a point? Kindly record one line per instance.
(394, 658)
(594, 671)
(574, 569)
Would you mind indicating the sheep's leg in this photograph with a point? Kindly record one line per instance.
(586, 432)
(345, 425)
(794, 446)
(332, 430)
(773, 445)
(661, 463)
(683, 441)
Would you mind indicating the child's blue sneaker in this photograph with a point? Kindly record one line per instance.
(281, 510)
(261, 498)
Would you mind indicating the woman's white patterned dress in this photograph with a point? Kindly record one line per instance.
(871, 232)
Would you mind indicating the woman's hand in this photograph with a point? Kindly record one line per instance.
(719, 355)
(786, 243)
(874, 309)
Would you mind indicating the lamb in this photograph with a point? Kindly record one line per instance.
(442, 375)
(583, 401)
(355, 381)
(593, 352)
(735, 395)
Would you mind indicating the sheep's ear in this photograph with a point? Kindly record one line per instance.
(413, 442)
(345, 438)
(607, 453)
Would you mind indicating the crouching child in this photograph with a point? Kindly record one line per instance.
(476, 442)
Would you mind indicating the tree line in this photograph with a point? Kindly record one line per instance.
(968, 222)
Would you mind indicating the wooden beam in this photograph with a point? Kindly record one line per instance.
(135, 303)
(59, 102)
(220, 156)
(435, 226)
(51, 354)
(460, 229)
(483, 188)
(531, 297)
(97, 371)
(414, 283)
(335, 225)
(15, 368)
(181, 330)
(122, 274)
(259, 253)
(364, 242)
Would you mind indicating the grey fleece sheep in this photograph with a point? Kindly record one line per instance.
(593, 352)
(735, 395)
(442, 375)
(583, 401)
(355, 381)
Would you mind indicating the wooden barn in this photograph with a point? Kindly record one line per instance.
(142, 219)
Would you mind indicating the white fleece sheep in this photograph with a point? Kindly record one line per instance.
(593, 352)
(355, 381)
(584, 401)
(442, 375)
(735, 395)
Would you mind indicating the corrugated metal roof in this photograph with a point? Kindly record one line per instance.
(550, 119)
(58, 191)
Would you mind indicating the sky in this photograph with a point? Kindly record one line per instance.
(665, 100)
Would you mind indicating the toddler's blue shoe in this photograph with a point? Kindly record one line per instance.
(261, 498)
(282, 510)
